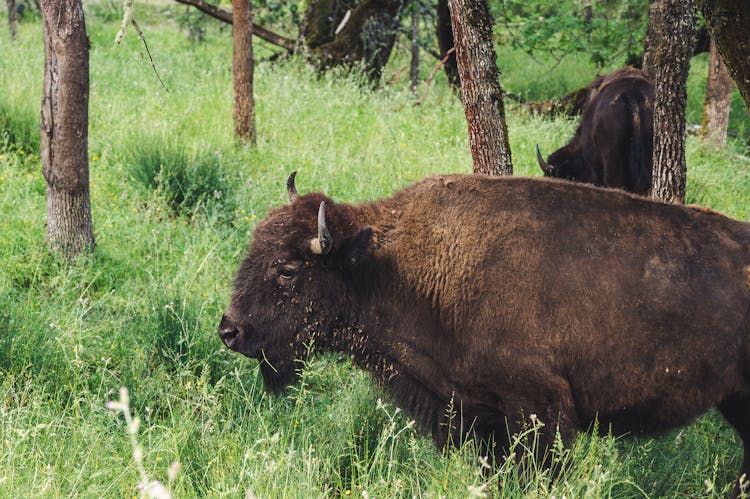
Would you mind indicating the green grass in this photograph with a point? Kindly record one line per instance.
(142, 311)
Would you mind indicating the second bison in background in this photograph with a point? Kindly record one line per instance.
(613, 145)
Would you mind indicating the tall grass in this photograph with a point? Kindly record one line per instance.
(19, 129)
(142, 311)
(185, 181)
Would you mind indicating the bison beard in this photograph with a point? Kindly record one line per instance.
(508, 297)
(613, 145)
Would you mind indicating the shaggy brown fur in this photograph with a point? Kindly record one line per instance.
(508, 297)
(613, 145)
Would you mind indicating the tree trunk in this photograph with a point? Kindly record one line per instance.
(321, 19)
(414, 65)
(226, 17)
(480, 88)
(64, 128)
(12, 19)
(444, 32)
(728, 21)
(672, 24)
(242, 71)
(649, 44)
(718, 99)
(366, 38)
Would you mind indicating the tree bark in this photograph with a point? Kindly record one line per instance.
(672, 24)
(649, 44)
(64, 128)
(480, 88)
(718, 99)
(12, 19)
(321, 19)
(729, 22)
(242, 71)
(367, 38)
(444, 32)
(414, 63)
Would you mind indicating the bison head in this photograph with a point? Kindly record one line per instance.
(295, 286)
(564, 163)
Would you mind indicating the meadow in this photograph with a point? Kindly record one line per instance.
(174, 205)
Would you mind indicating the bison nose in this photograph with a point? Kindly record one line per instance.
(228, 331)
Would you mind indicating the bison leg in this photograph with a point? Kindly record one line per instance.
(541, 418)
(736, 410)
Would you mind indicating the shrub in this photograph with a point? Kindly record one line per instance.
(182, 179)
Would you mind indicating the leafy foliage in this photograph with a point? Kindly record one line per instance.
(276, 11)
(605, 30)
(192, 21)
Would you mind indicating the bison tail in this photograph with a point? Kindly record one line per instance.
(638, 166)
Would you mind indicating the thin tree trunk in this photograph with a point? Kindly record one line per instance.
(649, 44)
(729, 23)
(672, 22)
(12, 19)
(64, 128)
(718, 99)
(480, 88)
(242, 71)
(414, 65)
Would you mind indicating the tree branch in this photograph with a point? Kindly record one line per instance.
(226, 16)
(434, 72)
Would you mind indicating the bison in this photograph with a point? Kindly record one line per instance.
(508, 297)
(613, 145)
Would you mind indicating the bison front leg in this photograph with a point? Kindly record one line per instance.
(736, 410)
(542, 412)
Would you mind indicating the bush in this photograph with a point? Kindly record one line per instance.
(183, 180)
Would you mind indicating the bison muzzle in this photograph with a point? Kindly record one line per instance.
(506, 298)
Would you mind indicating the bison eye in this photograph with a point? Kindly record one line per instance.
(288, 271)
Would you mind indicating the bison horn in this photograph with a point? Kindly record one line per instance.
(546, 168)
(290, 188)
(322, 244)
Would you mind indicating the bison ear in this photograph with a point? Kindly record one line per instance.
(356, 250)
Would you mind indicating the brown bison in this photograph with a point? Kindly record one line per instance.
(613, 145)
(508, 297)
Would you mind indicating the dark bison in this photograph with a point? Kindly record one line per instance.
(613, 145)
(506, 298)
